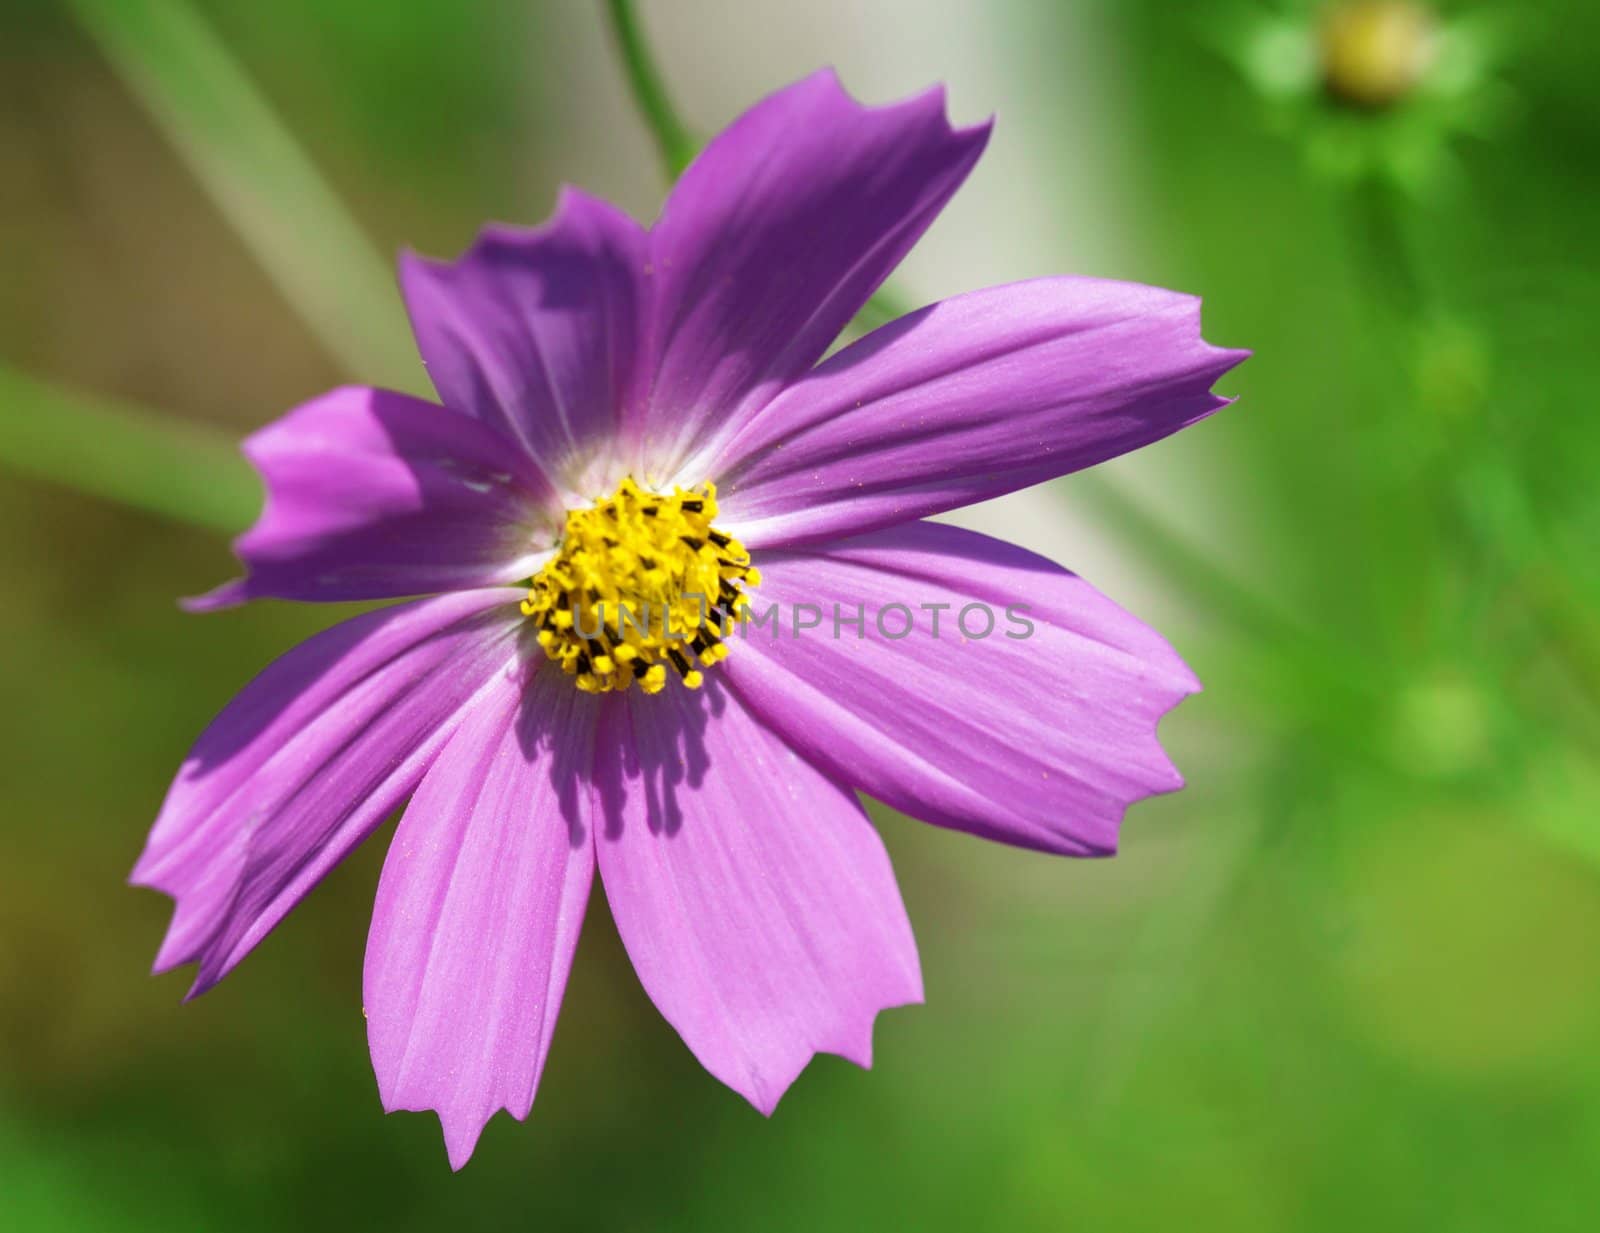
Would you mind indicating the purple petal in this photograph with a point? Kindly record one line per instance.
(752, 893)
(1038, 739)
(968, 399)
(478, 912)
(777, 235)
(536, 331)
(376, 495)
(309, 759)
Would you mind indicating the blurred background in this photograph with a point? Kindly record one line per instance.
(1347, 979)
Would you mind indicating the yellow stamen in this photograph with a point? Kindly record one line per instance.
(642, 582)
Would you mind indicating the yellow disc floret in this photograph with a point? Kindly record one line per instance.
(642, 582)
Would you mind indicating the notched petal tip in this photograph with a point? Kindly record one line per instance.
(574, 209)
(1166, 778)
(1215, 363)
(460, 1140)
(201, 986)
(860, 1052)
(937, 98)
(461, 1130)
(765, 1092)
(824, 91)
(461, 1126)
(176, 949)
(230, 594)
(1223, 361)
(934, 98)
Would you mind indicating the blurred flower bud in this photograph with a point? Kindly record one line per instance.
(1374, 52)
(1372, 90)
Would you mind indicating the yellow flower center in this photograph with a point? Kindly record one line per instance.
(642, 582)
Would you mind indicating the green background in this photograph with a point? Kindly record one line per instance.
(1346, 980)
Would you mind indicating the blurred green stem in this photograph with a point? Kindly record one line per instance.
(673, 140)
(1380, 236)
(143, 460)
(261, 180)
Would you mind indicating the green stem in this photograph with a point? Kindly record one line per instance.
(673, 140)
(124, 454)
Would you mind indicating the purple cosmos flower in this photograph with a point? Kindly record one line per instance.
(638, 419)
